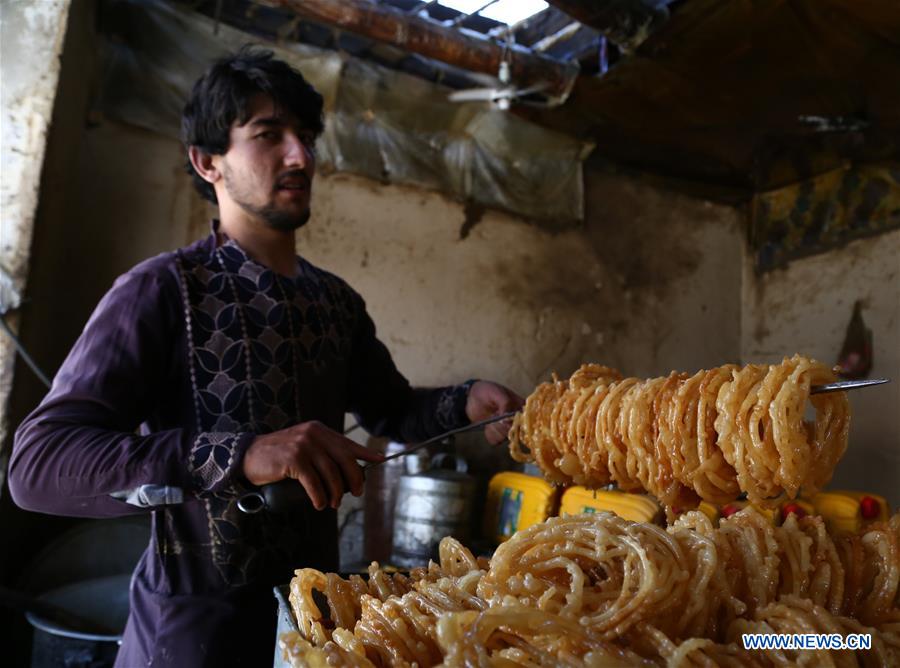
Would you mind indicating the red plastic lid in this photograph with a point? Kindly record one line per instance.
(729, 510)
(794, 508)
(869, 508)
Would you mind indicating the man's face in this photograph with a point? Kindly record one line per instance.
(269, 166)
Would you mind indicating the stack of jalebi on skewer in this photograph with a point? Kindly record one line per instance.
(713, 435)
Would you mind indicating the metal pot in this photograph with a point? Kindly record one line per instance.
(101, 601)
(430, 506)
(380, 498)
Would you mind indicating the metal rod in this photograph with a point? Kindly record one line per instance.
(24, 353)
(441, 437)
(844, 385)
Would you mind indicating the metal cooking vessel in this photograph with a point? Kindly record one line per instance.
(430, 506)
(382, 483)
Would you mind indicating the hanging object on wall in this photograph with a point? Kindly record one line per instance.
(855, 360)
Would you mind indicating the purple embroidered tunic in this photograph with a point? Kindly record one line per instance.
(203, 349)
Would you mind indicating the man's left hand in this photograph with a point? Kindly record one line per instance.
(487, 399)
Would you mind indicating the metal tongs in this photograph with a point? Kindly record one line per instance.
(279, 496)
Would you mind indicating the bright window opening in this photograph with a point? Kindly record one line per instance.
(509, 12)
(464, 6)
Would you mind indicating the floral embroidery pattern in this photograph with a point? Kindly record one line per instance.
(211, 458)
(252, 335)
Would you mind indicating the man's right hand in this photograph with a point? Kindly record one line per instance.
(322, 460)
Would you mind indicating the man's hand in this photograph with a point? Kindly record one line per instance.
(322, 460)
(487, 399)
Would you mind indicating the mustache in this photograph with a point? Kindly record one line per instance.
(293, 175)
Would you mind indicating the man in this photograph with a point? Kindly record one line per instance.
(238, 359)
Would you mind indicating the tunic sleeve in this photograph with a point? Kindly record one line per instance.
(78, 453)
(383, 400)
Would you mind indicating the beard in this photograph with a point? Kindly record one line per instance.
(270, 214)
(284, 221)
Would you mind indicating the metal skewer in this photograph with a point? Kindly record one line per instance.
(843, 385)
(441, 437)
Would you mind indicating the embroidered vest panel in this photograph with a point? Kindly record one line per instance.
(265, 352)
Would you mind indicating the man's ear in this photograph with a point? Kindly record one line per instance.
(204, 164)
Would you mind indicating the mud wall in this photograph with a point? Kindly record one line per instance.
(28, 95)
(458, 295)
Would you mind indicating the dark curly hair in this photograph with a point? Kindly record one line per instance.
(223, 93)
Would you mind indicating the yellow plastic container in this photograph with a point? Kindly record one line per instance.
(847, 511)
(634, 507)
(710, 511)
(516, 501)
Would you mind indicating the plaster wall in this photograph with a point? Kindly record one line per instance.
(674, 264)
(27, 95)
(506, 300)
(806, 308)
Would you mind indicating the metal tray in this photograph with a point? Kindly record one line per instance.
(286, 622)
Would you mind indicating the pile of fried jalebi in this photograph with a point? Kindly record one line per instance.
(683, 438)
(596, 590)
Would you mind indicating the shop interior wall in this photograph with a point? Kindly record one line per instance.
(497, 297)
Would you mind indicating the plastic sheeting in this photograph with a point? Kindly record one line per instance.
(380, 123)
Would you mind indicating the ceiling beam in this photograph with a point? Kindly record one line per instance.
(461, 48)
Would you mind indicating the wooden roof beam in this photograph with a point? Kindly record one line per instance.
(459, 47)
